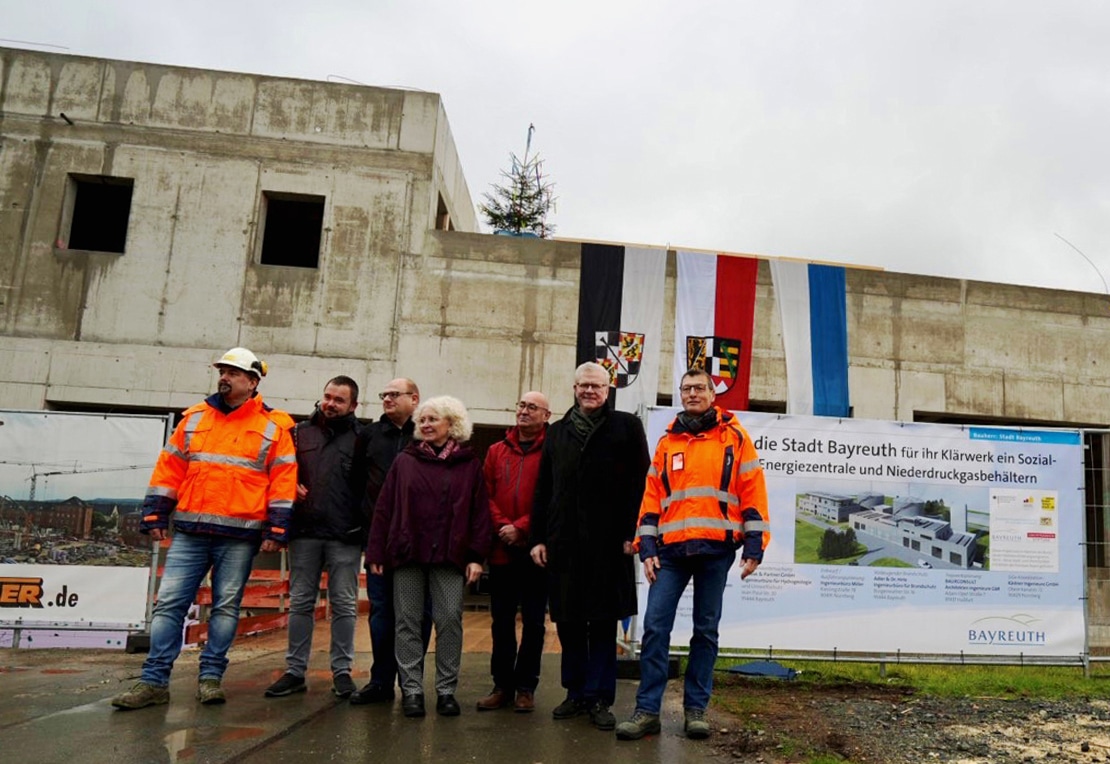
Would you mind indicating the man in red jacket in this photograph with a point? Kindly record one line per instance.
(511, 468)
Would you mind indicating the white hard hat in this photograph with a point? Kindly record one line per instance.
(241, 358)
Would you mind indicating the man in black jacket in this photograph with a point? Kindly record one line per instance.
(329, 530)
(584, 514)
(378, 446)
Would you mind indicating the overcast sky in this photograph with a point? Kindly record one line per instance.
(948, 137)
(83, 455)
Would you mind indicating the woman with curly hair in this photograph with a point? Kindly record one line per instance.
(431, 527)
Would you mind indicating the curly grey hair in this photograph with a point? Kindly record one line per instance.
(451, 409)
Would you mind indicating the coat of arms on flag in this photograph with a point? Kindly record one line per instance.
(620, 353)
(719, 356)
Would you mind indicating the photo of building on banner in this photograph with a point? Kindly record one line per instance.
(72, 486)
(74, 568)
(918, 538)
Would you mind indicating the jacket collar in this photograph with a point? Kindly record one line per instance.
(512, 437)
(216, 401)
(461, 452)
(408, 428)
(342, 424)
(724, 419)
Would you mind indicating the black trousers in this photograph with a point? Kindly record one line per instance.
(518, 584)
(589, 660)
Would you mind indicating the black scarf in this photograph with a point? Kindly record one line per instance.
(583, 425)
(694, 424)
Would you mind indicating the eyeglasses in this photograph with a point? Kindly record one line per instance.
(589, 385)
(391, 394)
(529, 407)
(687, 389)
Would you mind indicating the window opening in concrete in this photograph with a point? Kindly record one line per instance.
(101, 208)
(443, 217)
(767, 407)
(292, 226)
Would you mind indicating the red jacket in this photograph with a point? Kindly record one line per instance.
(510, 482)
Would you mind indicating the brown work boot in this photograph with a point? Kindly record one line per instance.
(497, 699)
(525, 702)
(210, 693)
(141, 696)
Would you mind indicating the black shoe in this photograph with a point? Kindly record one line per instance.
(372, 693)
(343, 686)
(569, 708)
(413, 705)
(286, 685)
(601, 717)
(446, 705)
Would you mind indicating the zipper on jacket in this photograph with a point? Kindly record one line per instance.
(726, 479)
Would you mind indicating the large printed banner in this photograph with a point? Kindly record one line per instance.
(919, 538)
(73, 564)
(73, 596)
(72, 486)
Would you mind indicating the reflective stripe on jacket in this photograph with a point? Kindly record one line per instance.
(705, 487)
(226, 473)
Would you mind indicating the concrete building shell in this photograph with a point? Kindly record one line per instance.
(404, 284)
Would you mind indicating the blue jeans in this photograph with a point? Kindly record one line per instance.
(307, 559)
(710, 574)
(190, 557)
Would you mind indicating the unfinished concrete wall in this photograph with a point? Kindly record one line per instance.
(203, 148)
(945, 346)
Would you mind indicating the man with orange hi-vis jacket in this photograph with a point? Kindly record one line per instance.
(705, 498)
(228, 475)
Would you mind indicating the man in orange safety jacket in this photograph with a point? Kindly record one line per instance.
(228, 475)
(705, 498)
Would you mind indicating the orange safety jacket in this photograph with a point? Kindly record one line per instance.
(226, 472)
(705, 492)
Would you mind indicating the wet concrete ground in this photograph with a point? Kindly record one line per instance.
(54, 709)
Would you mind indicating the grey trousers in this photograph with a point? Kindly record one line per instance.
(307, 559)
(446, 585)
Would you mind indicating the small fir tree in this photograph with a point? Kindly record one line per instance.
(522, 203)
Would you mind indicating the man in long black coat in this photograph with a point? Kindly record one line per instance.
(583, 520)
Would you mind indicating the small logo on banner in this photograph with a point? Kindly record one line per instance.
(1006, 631)
(20, 592)
(620, 353)
(719, 356)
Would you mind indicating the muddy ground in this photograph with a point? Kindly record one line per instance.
(781, 722)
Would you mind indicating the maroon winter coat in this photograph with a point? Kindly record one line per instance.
(431, 511)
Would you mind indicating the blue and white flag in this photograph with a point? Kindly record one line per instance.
(811, 302)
